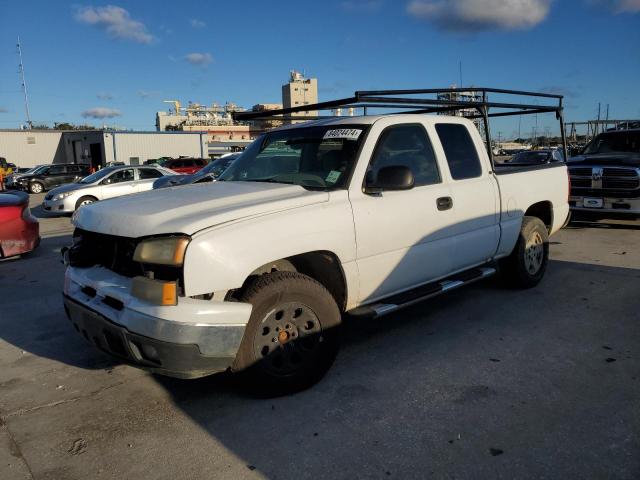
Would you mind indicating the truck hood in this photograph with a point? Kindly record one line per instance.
(613, 159)
(191, 208)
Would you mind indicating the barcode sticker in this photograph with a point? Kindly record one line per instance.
(346, 133)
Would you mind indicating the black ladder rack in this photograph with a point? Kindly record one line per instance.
(419, 101)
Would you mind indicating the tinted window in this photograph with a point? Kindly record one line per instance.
(177, 164)
(200, 162)
(121, 176)
(56, 169)
(74, 168)
(146, 173)
(409, 146)
(460, 151)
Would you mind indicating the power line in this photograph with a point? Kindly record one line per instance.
(24, 84)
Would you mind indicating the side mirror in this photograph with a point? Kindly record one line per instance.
(395, 177)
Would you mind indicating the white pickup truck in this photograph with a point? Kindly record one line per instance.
(353, 214)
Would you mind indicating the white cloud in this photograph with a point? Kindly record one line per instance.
(196, 58)
(195, 23)
(104, 96)
(101, 112)
(116, 21)
(478, 15)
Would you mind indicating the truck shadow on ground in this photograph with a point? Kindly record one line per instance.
(472, 374)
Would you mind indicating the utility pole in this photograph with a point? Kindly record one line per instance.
(24, 85)
(598, 122)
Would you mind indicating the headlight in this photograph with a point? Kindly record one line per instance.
(60, 196)
(162, 251)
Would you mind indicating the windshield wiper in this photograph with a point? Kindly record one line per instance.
(267, 180)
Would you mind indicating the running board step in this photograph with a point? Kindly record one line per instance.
(410, 297)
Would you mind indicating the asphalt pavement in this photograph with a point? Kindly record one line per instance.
(485, 382)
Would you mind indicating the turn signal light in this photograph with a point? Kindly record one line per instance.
(155, 291)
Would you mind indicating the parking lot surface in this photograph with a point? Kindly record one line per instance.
(485, 382)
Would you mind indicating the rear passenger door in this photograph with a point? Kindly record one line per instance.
(146, 177)
(57, 175)
(474, 195)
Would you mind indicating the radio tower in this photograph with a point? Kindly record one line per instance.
(24, 85)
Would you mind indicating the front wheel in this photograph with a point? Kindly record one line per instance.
(36, 187)
(85, 201)
(291, 339)
(526, 265)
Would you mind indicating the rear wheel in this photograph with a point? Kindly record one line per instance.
(87, 200)
(36, 187)
(291, 339)
(526, 265)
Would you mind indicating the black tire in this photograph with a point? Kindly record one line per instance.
(86, 200)
(292, 337)
(526, 265)
(36, 187)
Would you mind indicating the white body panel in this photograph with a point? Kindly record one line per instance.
(385, 243)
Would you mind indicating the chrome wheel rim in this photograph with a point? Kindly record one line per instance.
(288, 338)
(86, 202)
(36, 188)
(534, 253)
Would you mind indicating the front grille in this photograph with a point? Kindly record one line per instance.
(619, 172)
(109, 251)
(116, 254)
(621, 182)
(580, 171)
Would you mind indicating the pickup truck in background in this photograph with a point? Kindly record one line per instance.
(605, 178)
(252, 273)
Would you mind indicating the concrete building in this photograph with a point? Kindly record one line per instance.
(300, 91)
(28, 148)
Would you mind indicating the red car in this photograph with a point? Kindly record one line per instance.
(19, 230)
(184, 165)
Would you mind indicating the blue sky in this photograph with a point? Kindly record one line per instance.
(124, 58)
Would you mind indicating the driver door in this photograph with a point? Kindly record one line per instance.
(120, 182)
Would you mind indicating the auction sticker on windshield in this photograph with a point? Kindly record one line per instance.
(346, 133)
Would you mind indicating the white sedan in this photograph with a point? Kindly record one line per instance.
(106, 183)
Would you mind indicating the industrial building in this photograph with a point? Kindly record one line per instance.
(28, 148)
(300, 91)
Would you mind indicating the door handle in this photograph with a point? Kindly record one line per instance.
(444, 203)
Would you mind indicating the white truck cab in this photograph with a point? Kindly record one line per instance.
(352, 214)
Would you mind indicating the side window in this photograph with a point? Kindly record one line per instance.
(147, 173)
(460, 150)
(56, 170)
(122, 176)
(178, 164)
(200, 163)
(409, 146)
(189, 163)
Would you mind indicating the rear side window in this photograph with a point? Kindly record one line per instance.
(146, 173)
(56, 169)
(408, 146)
(460, 150)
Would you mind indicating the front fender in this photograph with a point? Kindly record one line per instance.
(221, 258)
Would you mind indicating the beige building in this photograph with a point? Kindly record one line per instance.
(300, 91)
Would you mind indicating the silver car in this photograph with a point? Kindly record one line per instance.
(106, 183)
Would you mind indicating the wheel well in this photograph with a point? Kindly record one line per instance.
(543, 211)
(322, 266)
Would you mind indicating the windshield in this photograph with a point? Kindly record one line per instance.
(218, 166)
(531, 157)
(622, 142)
(312, 157)
(99, 175)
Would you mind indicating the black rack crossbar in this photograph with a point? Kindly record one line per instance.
(448, 100)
